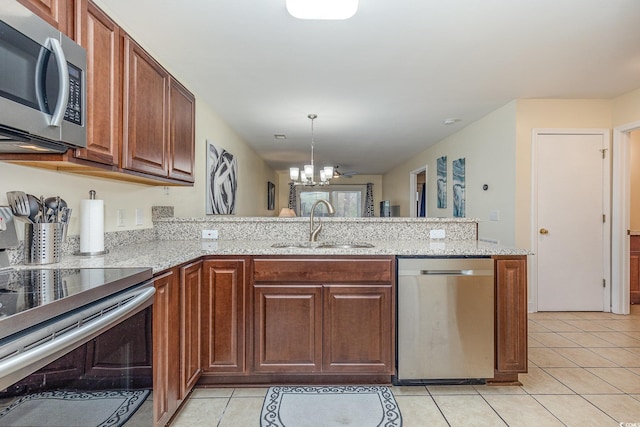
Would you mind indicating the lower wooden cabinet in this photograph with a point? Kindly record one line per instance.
(166, 347)
(190, 326)
(510, 318)
(324, 315)
(287, 328)
(357, 329)
(634, 270)
(223, 316)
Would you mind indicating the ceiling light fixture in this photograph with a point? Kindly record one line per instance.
(305, 175)
(322, 9)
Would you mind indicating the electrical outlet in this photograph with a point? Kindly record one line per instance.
(120, 217)
(209, 234)
(139, 216)
(436, 234)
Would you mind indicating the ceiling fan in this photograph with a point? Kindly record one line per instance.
(338, 174)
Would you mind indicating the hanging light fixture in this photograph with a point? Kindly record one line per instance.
(305, 176)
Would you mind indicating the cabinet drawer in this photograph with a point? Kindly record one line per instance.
(336, 270)
(635, 244)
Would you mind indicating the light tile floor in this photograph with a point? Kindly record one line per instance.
(584, 370)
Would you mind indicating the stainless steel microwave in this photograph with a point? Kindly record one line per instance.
(42, 85)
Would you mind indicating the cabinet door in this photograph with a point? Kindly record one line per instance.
(190, 326)
(100, 36)
(223, 316)
(166, 346)
(58, 13)
(287, 328)
(511, 315)
(634, 270)
(146, 112)
(181, 132)
(357, 329)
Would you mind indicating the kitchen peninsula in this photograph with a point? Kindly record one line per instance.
(237, 310)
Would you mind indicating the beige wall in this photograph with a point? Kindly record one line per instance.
(626, 108)
(282, 188)
(488, 145)
(253, 175)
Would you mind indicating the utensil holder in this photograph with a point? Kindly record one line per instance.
(43, 242)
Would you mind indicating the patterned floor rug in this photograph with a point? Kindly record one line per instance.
(73, 409)
(307, 406)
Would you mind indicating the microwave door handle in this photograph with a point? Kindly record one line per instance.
(63, 82)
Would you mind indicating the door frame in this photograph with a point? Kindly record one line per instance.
(413, 181)
(533, 275)
(620, 217)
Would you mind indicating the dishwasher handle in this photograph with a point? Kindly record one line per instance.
(436, 272)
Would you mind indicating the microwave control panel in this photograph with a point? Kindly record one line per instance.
(73, 113)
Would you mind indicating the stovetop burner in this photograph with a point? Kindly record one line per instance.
(34, 295)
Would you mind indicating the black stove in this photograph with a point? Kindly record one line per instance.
(30, 297)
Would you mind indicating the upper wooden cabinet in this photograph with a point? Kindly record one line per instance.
(140, 120)
(182, 106)
(145, 142)
(59, 13)
(100, 36)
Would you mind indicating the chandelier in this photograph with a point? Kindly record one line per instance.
(306, 175)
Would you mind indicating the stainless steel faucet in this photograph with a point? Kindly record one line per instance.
(313, 231)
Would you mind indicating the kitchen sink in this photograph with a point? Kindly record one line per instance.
(320, 245)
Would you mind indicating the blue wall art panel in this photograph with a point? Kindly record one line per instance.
(442, 181)
(458, 188)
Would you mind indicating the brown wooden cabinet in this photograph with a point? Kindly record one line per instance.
(287, 328)
(58, 13)
(182, 115)
(324, 315)
(634, 270)
(146, 112)
(140, 120)
(166, 347)
(223, 316)
(101, 37)
(190, 326)
(364, 312)
(510, 318)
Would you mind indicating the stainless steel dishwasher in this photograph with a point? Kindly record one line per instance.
(445, 320)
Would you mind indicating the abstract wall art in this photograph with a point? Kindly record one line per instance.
(441, 181)
(459, 201)
(222, 181)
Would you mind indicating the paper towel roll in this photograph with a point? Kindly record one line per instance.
(91, 226)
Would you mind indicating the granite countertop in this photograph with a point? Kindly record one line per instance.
(160, 255)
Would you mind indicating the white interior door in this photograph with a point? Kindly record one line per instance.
(571, 208)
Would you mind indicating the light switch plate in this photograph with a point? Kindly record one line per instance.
(139, 216)
(120, 218)
(494, 215)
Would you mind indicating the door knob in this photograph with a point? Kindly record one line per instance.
(544, 231)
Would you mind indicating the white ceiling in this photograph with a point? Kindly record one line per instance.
(383, 81)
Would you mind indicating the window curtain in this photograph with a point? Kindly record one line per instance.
(293, 199)
(369, 200)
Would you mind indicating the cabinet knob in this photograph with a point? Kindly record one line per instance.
(544, 231)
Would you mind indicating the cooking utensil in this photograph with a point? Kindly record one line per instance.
(34, 208)
(19, 204)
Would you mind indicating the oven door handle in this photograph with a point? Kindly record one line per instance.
(14, 368)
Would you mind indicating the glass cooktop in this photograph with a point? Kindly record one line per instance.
(30, 296)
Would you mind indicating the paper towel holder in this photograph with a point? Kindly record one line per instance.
(92, 196)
